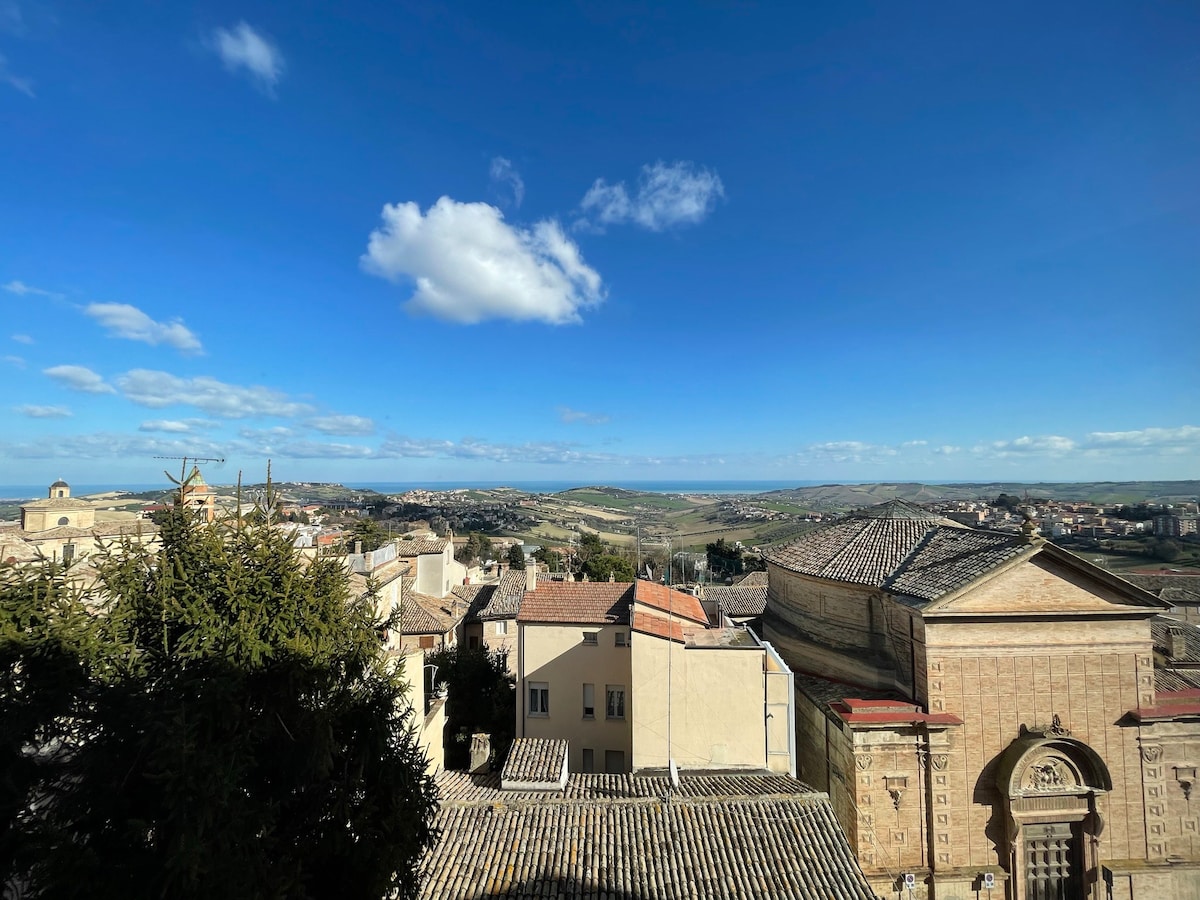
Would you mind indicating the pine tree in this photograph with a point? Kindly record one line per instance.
(214, 719)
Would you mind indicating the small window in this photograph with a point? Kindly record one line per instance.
(589, 759)
(64, 521)
(502, 627)
(614, 707)
(426, 642)
(614, 762)
(621, 639)
(589, 701)
(68, 552)
(539, 698)
(473, 642)
(591, 638)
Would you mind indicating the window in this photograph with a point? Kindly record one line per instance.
(502, 627)
(426, 641)
(64, 521)
(591, 638)
(589, 701)
(68, 552)
(614, 701)
(473, 642)
(539, 698)
(589, 759)
(621, 639)
(614, 762)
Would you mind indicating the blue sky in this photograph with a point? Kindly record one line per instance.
(599, 241)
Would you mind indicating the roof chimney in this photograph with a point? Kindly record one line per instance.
(1176, 643)
(531, 572)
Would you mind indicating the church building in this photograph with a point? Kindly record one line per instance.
(983, 710)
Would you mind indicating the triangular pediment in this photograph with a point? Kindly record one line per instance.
(1048, 582)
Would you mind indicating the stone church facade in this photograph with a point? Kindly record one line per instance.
(982, 709)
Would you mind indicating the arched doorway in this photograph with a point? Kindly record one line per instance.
(1050, 783)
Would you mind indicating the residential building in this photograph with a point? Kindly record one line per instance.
(491, 620)
(633, 676)
(983, 706)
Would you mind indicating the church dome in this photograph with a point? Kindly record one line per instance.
(59, 483)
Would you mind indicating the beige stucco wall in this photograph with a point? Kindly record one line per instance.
(716, 702)
(556, 655)
(427, 727)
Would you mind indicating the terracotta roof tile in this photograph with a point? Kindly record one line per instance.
(505, 600)
(420, 548)
(677, 603)
(585, 603)
(658, 626)
(618, 837)
(740, 602)
(919, 556)
(535, 761)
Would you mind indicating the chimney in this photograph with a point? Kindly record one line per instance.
(357, 548)
(1176, 643)
(531, 571)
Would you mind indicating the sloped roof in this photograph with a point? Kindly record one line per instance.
(658, 626)
(535, 761)
(677, 603)
(1174, 589)
(420, 548)
(738, 601)
(505, 600)
(615, 837)
(750, 579)
(901, 548)
(578, 602)
(422, 614)
(474, 597)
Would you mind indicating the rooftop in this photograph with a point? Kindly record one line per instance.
(578, 602)
(677, 603)
(900, 548)
(420, 548)
(535, 764)
(620, 837)
(741, 601)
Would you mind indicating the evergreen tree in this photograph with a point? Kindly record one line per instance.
(516, 557)
(214, 719)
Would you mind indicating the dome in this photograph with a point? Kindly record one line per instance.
(59, 483)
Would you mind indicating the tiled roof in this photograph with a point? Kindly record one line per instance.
(1167, 680)
(505, 601)
(677, 603)
(823, 691)
(906, 554)
(579, 602)
(1175, 589)
(420, 548)
(1161, 628)
(618, 837)
(751, 579)
(658, 626)
(99, 530)
(474, 597)
(739, 602)
(421, 614)
(535, 761)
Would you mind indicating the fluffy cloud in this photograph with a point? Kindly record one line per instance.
(570, 416)
(79, 378)
(16, 82)
(469, 265)
(43, 412)
(178, 426)
(243, 48)
(224, 401)
(1044, 445)
(667, 196)
(21, 289)
(129, 322)
(342, 425)
(109, 445)
(507, 181)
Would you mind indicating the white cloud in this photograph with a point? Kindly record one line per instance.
(1146, 438)
(129, 322)
(226, 401)
(15, 361)
(22, 339)
(79, 378)
(107, 445)
(570, 416)
(16, 82)
(668, 195)
(21, 289)
(469, 265)
(43, 412)
(241, 47)
(1047, 445)
(342, 425)
(549, 452)
(914, 443)
(178, 426)
(506, 178)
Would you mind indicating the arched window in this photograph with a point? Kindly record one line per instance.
(64, 521)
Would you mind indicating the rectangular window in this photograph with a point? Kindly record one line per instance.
(426, 642)
(590, 638)
(68, 553)
(614, 707)
(539, 698)
(589, 701)
(614, 762)
(502, 627)
(473, 642)
(589, 759)
(620, 639)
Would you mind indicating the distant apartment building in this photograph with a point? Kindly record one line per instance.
(1175, 526)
